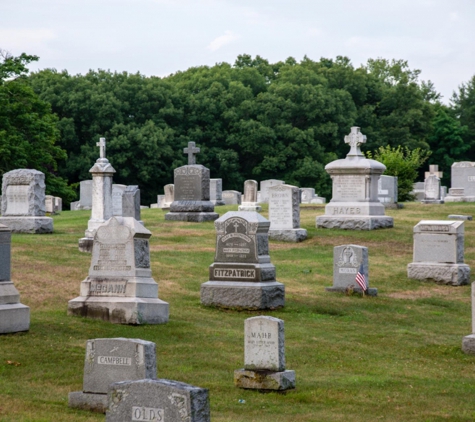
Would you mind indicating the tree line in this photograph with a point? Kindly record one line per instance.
(252, 120)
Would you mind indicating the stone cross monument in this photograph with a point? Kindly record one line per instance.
(191, 150)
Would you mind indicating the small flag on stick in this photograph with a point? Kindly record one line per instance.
(361, 279)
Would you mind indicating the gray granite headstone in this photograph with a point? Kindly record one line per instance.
(249, 201)
(242, 275)
(85, 194)
(439, 253)
(23, 202)
(14, 316)
(110, 360)
(58, 205)
(307, 194)
(131, 202)
(418, 191)
(117, 193)
(284, 214)
(265, 185)
(216, 191)
(120, 288)
(231, 197)
(463, 182)
(264, 356)
(468, 342)
(388, 191)
(157, 400)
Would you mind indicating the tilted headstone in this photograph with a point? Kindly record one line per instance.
(355, 204)
(348, 261)
(265, 185)
(249, 202)
(131, 202)
(169, 195)
(117, 194)
(439, 253)
(23, 202)
(388, 191)
(157, 400)
(191, 191)
(242, 275)
(102, 173)
(231, 197)
(14, 316)
(432, 190)
(110, 360)
(120, 288)
(284, 214)
(216, 191)
(264, 356)
(468, 342)
(463, 182)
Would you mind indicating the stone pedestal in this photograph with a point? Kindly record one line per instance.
(355, 204)
(242, 276)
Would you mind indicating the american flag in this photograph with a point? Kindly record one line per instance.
(361, 279)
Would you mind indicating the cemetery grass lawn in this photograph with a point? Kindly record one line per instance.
(395, 357)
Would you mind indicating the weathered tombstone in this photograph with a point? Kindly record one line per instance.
(131, 202)
(249, 203)
(231, 197)
(160, 202)
(418, 191)
(318, 200)
(110, 360)
(388, 191)
(242, 275)
(348, 261)
(58, 205)
(169, 195)
(191, 202)
(157, 400)
(264, 356)
(355, 204)
(468, 342)
(432, 190)
(216, 191)
(120, 288)
(85, 194)
(49, 204)
(265, 185)
(117, 194)
(284, 214)
(439, 253)
(102, 173)
(23, 202)
(14, 316)
(307, 194)
(463, 182)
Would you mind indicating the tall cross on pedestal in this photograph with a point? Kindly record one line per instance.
(102, 147)
(355, 139)
(191, 150)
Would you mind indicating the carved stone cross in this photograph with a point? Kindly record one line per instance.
(355, 139)
(102, 147)
(191, 150)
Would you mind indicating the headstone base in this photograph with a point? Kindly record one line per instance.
(14, 318)
(355, 223)
(250, 207)
(264, 380)
(195, 217)
(453, 274)
(369, 292)
(88, 401)
(450, 198)
(85, 244)
(318, 200)
(289, 235)
(468, 344)
(35, 225)
(120, 310)
(243, 295)
(432, 201)
(459, 217)
(218, 202)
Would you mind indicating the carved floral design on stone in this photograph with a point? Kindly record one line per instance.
(348, 258)
(179, 401)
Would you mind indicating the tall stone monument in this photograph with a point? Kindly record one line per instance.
(354, 204)
(284, 214)
(23, 202)
(439, 253)
(264, 356)
(102, 173)
(191, 202)
(14, 316)
(249, 203)
(462, 182)
(242, 275)
(120, 288)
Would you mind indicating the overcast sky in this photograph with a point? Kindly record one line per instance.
(159, 37)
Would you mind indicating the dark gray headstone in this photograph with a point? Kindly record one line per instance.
(131, 202)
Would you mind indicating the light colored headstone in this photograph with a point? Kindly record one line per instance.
(216, 191)
(14, 316)
(468, 342)
(306, 195)
(85, 194)
(284, 214)
(264, 356)
(388, 191)
(49, 204)
(355, 204)
(432, 190)
(117, 193)
(120, 288)
(439, 253)
(23, 202)
(131, 202)
(110, 360)
(265, 185)
(169, 196)
(463, 182)
(231, 197)
(418, 191)
(242, 275)
(158, 400)
(58, 205)
(249, 202)
(347, 261)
